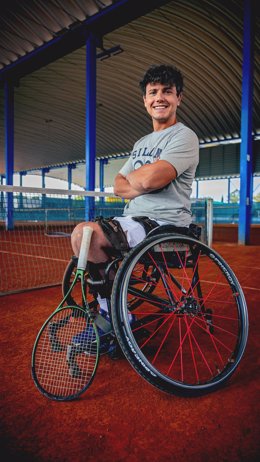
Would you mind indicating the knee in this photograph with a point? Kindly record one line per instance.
(98, 239)
(76, 236)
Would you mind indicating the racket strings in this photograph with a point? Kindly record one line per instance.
(65, 357)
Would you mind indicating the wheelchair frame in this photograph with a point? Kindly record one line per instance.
(188, 327)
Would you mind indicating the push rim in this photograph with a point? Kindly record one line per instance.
(190, 341)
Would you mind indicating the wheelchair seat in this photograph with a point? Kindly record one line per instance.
(193, 230)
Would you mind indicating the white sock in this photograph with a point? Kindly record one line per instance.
(103, 307)
(102, 303)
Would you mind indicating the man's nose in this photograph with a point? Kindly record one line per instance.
(160, 96)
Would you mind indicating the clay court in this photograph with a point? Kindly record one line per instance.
(121, 417)
(71, 111)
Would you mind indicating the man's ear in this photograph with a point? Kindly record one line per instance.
(144, 100)
(179, 99)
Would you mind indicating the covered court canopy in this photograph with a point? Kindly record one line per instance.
(46, 72)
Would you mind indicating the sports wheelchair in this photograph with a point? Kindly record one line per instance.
(178, 312)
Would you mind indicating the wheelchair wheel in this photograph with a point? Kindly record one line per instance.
(189, 333)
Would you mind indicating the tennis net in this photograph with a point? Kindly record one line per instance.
(36, 225)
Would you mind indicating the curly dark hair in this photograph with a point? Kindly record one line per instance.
(164, 74)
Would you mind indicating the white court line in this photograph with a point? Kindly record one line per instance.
(250, 288)
(225, 284)
(32, 256)
(61, 260)
(32, 244)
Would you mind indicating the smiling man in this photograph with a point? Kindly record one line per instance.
(157, 177)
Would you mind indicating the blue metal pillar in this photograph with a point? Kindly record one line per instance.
(44, 171)
(102, 163)
(70, 168)
(90, 125)
(21, 194)
(246, 149)
(229, 190)
(197, 189)
(2, 204)
(9, 150)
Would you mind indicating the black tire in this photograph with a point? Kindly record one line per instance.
(190, 332)
(63, 368)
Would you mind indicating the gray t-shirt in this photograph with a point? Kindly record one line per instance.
(178, 145)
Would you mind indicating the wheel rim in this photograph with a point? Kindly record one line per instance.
(188, 331)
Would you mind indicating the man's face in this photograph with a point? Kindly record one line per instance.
(161, 102)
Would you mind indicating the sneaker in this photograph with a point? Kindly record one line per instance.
(105, 332)
(86, 337)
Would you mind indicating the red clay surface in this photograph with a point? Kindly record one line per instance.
(121, 417)
(30, 258)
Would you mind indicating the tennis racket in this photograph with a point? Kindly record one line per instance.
(66, 351)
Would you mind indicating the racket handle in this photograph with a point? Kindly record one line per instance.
(84, 248)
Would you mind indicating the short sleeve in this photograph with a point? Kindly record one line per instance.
(127, 167)
(182, 150)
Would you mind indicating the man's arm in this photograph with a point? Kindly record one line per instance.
(151, 177)
(123, 188)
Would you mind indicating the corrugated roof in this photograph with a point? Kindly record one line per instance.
(203, 38)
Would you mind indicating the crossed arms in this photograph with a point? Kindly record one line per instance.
(145, 179)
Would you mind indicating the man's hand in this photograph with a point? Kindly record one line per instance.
(122, 188)
(151, 177)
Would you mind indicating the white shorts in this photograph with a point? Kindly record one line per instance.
(134, 231)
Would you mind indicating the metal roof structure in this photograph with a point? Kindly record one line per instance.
(204, 38)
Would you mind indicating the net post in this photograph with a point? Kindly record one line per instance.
(209, 221)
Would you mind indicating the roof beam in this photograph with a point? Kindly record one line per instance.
(110, 18)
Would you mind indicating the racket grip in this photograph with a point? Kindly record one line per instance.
(84, 248)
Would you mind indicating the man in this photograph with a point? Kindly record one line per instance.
(157, 178)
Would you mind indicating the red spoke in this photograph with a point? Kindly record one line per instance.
(188, 279)
(150, 322)
(181, 356)
(143, 281)
(162, 275)
(169, 280)
(163, 303)
(213, 336)
(155, 332)
(208, 295)
(218, 327)
(177, 352)
(193, 356)
(229, 318)
(220, 301)
(201, 353)
(163, 341)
